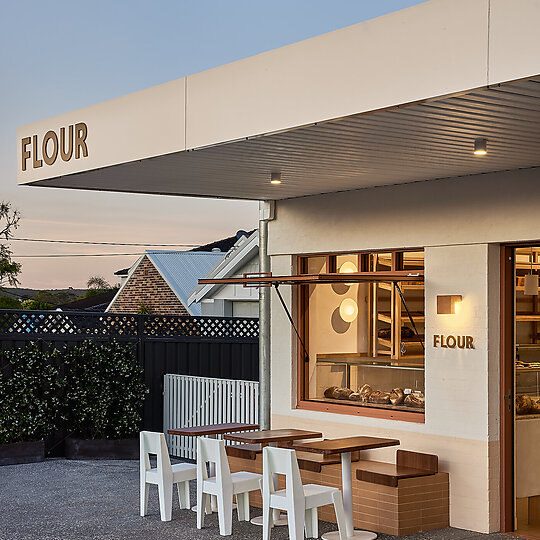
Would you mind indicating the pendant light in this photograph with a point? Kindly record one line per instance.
(531, 281)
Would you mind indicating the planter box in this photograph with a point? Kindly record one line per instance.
(22, 452)
(102, 448)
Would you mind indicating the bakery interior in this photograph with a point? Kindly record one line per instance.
(366, 340)
(527, 389)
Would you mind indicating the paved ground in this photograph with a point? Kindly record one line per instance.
(98, 500)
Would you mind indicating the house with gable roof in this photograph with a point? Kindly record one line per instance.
(233, 299)
(161, 281)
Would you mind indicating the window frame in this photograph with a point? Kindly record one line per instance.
(302, 322)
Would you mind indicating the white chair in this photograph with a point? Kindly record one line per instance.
(164, 475)
(224, 485)
(299, 501)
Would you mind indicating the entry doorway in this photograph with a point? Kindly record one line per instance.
(520, 386)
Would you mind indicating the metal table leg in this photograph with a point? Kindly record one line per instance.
(346, 484)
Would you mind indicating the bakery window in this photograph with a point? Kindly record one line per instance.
(364, 339)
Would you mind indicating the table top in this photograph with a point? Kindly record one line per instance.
(345, 444)
(214, 429)
(273, 435)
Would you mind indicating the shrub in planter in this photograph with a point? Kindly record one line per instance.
(104, 390)
(29, 402)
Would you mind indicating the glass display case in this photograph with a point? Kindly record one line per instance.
(357, 371)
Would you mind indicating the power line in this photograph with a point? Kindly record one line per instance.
(99, 243)
(77, 255)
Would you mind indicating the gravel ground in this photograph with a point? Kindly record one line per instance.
(98, 500)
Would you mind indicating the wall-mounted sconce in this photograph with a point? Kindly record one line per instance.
(480, 147)
(348, 310)
(446, 304)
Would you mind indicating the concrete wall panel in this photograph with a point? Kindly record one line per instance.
(514, 39)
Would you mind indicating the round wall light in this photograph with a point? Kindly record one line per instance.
(480, 147)
(347, 268)
(348, 310)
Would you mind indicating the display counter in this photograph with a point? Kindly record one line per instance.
(361, 380)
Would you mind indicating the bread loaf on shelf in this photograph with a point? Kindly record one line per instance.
(337, 392)
(415, 400)
(535, 406)
(524, 404)
(397, 397)
(329, 391)
(379, 397)
(342, 393)
(365, 391)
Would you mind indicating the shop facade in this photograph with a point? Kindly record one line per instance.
(378, 181)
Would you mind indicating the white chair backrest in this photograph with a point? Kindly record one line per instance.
(213, 450)
(154, 443)
(282, 461)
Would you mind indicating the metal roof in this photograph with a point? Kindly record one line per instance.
(182, 270)
(245, 249)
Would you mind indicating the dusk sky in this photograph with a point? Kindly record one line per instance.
(61, 55)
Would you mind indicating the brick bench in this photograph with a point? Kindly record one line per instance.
(407, 497)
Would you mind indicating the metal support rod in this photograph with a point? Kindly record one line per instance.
(264, 330)
(410, 316)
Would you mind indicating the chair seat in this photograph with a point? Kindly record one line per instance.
(315, 496)
(182, 472)
(242, 481)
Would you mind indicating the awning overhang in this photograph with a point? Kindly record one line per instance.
(312, 279)
(394, 100)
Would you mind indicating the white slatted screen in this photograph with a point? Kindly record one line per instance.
(196, 401)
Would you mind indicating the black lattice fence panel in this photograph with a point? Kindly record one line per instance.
(201, 327)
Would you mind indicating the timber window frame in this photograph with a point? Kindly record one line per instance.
(396, 263)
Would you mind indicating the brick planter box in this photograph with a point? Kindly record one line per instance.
(102, 448)
(22, 452)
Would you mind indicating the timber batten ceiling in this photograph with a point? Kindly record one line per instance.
(423, 141)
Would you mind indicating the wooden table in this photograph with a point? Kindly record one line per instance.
(211, 431)
(214, 429)
(345, 446)
(272, 437)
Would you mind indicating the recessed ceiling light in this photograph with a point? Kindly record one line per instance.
(275, 178)
(480, 147)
